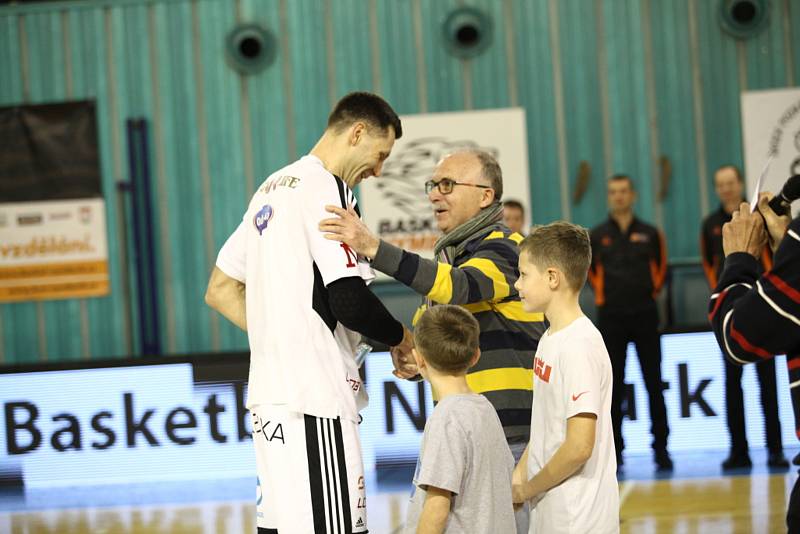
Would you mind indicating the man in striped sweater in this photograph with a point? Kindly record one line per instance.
(755, 318)
(475, 267)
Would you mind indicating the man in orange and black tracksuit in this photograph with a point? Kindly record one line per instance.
(629, 261)
(729, 185)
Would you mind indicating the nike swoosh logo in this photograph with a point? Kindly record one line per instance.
(578, 396)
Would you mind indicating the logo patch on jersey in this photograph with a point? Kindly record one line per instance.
(262, 218)
(606, 241)
(578, 396)
(352, 257)
(541, 370)
(638, 237)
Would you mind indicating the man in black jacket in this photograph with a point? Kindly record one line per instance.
(755, 318)
(629, 263)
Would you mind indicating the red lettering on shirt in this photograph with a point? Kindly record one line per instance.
(541, 370)
(352, 257)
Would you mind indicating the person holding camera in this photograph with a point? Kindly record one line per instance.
(756, 317)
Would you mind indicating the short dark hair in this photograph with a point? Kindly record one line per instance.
(510, 203)
(731, 166)
(447, 336)
(367, 107)
(563, 245)
(620, 177)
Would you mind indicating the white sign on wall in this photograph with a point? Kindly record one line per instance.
(53, 249)
(771, 126)
(395, 206)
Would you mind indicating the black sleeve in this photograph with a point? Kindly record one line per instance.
(756, 317)
(357, 308)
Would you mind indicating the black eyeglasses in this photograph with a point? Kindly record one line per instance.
(445, 186)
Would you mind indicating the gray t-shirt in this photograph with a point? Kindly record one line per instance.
(464, 451)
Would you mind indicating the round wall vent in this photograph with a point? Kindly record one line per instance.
(467, 32)
(250, 48)
(744, 18)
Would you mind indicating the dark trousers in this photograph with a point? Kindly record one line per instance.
(734, 406)
(641, 328)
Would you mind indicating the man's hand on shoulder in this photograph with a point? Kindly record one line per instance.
(348, 228)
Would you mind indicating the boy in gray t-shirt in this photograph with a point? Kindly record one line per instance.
(463, 477)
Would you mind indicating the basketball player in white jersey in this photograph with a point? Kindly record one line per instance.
(304, 303)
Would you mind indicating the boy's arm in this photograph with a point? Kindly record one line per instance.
(520, 474)
(569, 458)
(435, 511)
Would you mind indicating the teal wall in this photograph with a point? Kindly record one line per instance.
(615, 83)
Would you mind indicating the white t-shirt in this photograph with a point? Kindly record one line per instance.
(572, 375)
(300, 355)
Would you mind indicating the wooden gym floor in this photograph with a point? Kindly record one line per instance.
(695, 499)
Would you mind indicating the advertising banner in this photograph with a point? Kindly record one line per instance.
(186, 420)
(53, 241)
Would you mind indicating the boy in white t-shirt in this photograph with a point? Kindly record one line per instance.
(568, 472)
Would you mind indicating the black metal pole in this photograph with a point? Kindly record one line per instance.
(143, 241)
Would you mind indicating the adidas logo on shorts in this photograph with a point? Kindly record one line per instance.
(360, 522)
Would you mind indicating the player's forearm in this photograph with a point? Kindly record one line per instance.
(434, 516)
(567, 460)
(227, 296)
(521, 470)
(235, 313)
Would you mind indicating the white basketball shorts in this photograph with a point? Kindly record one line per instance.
(310, 473)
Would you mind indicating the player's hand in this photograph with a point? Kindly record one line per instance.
(350, 230)
(404, 365)
(776, 224)
(744, 233)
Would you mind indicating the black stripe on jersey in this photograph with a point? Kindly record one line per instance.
(262, 530)
(315, 474)
(340, 186)
(407, 269)
(320, 301)
(473, 289)
(337, 430)
(514, 417)
(505, 340)
(505, 249)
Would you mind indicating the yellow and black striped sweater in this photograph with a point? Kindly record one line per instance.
(481, 279)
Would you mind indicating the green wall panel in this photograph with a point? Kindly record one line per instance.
(535, 87)
(675, 120)
(583, 114)
(398, 56)
(612, 84)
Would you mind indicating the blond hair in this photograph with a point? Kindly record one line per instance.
(563, 245)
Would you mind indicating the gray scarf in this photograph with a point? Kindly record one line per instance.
(450, 245)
